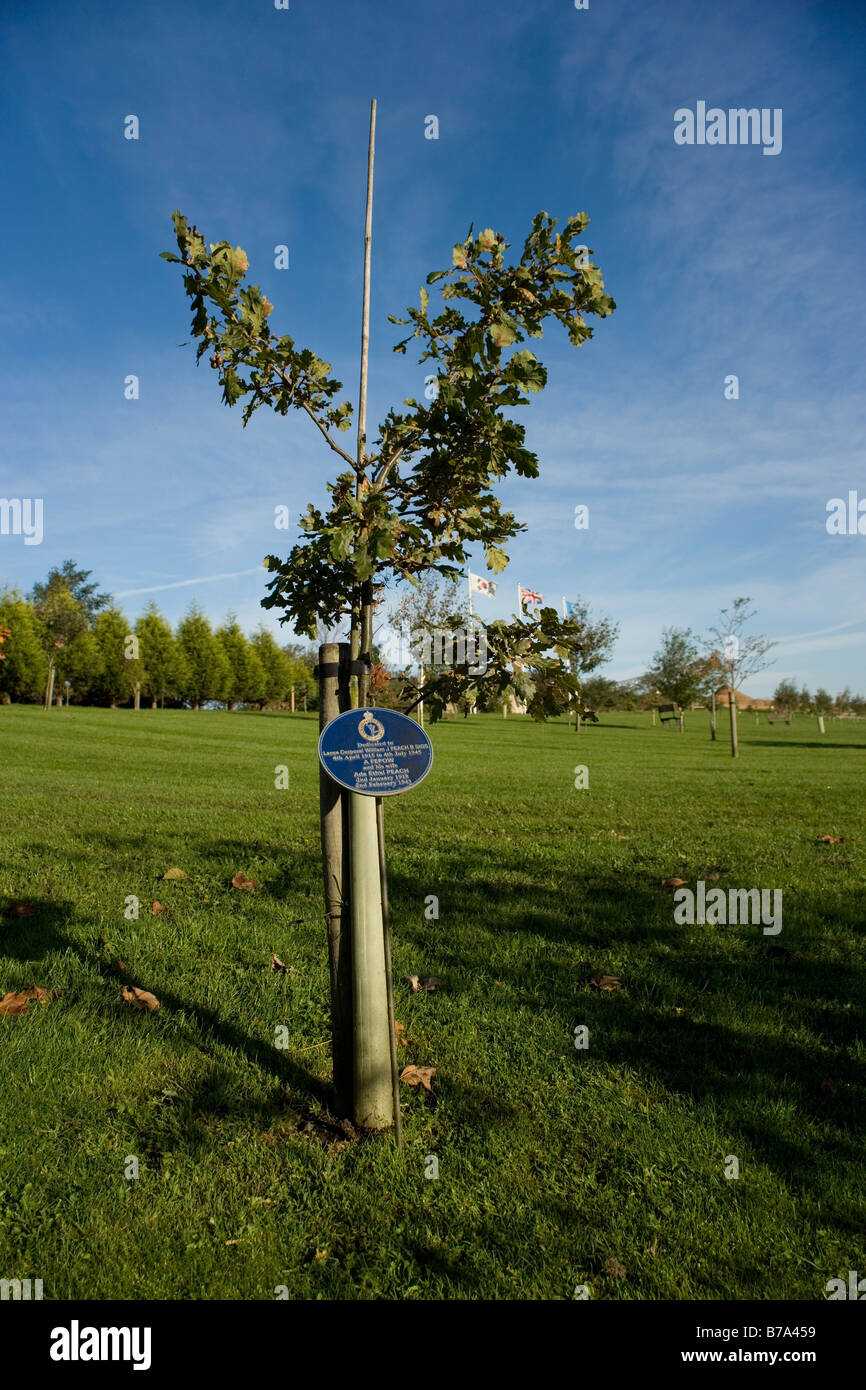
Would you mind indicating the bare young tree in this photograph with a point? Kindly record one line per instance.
(738, 655)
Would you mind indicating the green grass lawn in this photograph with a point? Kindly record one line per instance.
(554, 1163)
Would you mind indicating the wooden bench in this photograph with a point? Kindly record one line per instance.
(669, 714)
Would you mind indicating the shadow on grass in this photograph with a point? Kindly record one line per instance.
(805, 1016)
(34, 937)
(799, 743)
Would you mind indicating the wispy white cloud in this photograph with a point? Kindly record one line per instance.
(185, 583)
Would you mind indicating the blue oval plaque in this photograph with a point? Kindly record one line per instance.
(375, 752)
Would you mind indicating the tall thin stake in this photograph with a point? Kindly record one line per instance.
(362, 597)
(372, 1012)
(389, 972)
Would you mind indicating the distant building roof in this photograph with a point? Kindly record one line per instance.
(743, 701)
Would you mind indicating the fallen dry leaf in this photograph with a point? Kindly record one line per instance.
(400, 1035)
(833, 839)
(673, 882)
(620, 837)
(16, 1002)
(240, 880)
(418, 1076)
(20, 910)
(782, 953)
(174, 875)
(43, 995)
(157, 909)
(232, 1242)
(711, 878)
(13, 1004)
(614, 1268)
(430, 983)
(140, 999)
(608, 982)
(278, 968)
(116, 967)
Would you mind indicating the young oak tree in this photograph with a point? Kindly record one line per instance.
(412, 504)
(424, 493)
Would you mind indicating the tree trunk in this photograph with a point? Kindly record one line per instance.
(153, 702)
(713, 719)
(732, 707)
(137, 690)
(49, 685)
(334, 812)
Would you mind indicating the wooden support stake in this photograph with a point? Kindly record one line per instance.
(389, 970)
(333, 805)
(732, 708)
(372, 1046)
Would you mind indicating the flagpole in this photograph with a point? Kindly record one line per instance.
(563, 607)
(469, 586)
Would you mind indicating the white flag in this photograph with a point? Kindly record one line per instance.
(479, 585)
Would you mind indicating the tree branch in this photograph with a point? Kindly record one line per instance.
(333, 443)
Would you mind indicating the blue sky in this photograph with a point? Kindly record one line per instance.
(253, 122)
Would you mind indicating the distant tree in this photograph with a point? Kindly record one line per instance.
(302, 662)
(276, 665)
(60, 618)
(247, 679)
(80, 663)
(427, 606)
(73, 579)
(114, 682)
(598, 692)
(165, 671)
(207, 674)
(823, 701)
(24, 664)
(591, 643)
(679, 672)
(430, 604)
(842, 703)
(786, 697)
(736, 654)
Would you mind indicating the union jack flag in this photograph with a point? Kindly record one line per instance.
(529, 597)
